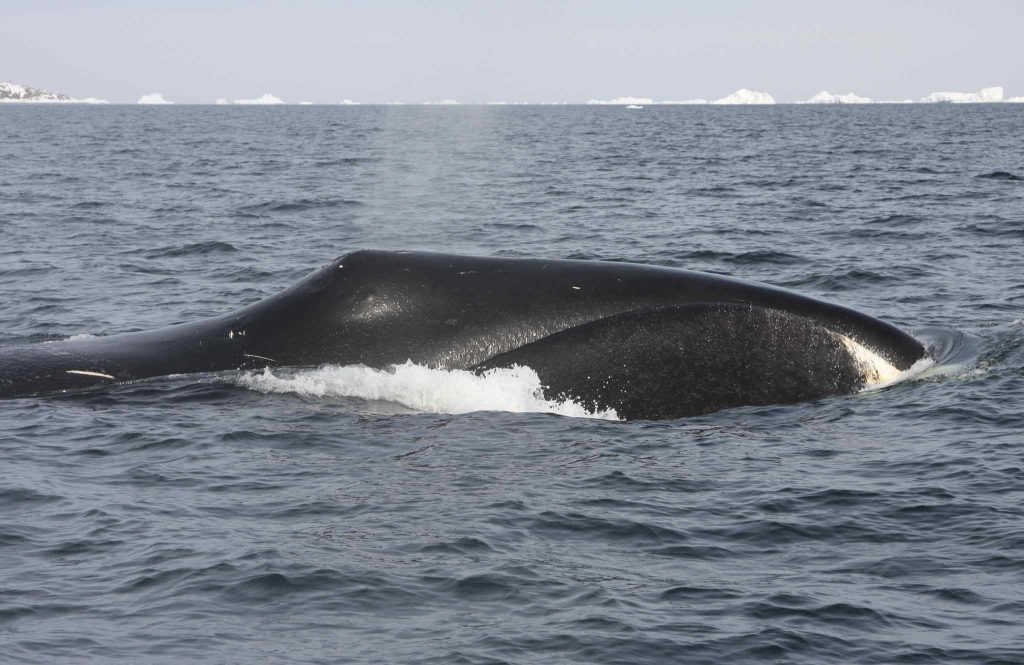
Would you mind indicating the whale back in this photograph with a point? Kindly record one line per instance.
(380, 308)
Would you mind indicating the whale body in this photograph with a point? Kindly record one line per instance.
(650, 342)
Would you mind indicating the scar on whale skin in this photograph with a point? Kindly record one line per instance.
(83, 372)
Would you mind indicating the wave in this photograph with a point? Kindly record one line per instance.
(296, 206)
(1001, 175)
(517, 389)
(208, 247)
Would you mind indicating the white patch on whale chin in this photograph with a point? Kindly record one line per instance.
(876, 370)
(516, 389)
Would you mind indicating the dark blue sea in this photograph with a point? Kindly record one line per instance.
(239, 518)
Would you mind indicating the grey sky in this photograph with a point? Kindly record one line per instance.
(379, 51)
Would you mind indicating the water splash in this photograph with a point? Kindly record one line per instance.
(516, 389)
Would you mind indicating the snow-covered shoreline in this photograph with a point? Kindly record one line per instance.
(14, 93)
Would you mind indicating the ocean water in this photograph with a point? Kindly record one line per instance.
(343, 516)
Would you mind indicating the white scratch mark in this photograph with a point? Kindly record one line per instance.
(87, 373)
(576, 287)
(253, 355)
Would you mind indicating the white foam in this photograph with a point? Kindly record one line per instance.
(153, 98)
(517, 389)
(879, 372)
(74, 338)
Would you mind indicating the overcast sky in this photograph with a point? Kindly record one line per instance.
(548, 51)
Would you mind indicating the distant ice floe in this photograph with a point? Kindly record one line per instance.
(443, 102)
(11, 92)
(153, 98)
(265, 98)
(741, 96)
(826, 97)
(623, 101)
(983, 96)
(348, 102)
(744, 96)
(305, 103)
(684, 102)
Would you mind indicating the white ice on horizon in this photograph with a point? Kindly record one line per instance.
(825, 97)
(623, 101)
(348, 102)
(741, 96)
(153, 98)
(443, 102)
(15, 93)
(515, 389)
(983, 96)
(265, 98)
(744, 96)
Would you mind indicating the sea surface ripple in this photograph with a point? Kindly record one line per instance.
(196, 519)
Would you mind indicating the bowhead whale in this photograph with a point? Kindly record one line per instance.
(649, 342)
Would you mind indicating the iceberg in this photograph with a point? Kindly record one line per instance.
(983, 96)
(744, 96)
(825, 97)
(1015, 100)
(265, 98)
(625, 101)
(153, 98)
(348, 102)
(11, 92)
(443, 102)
